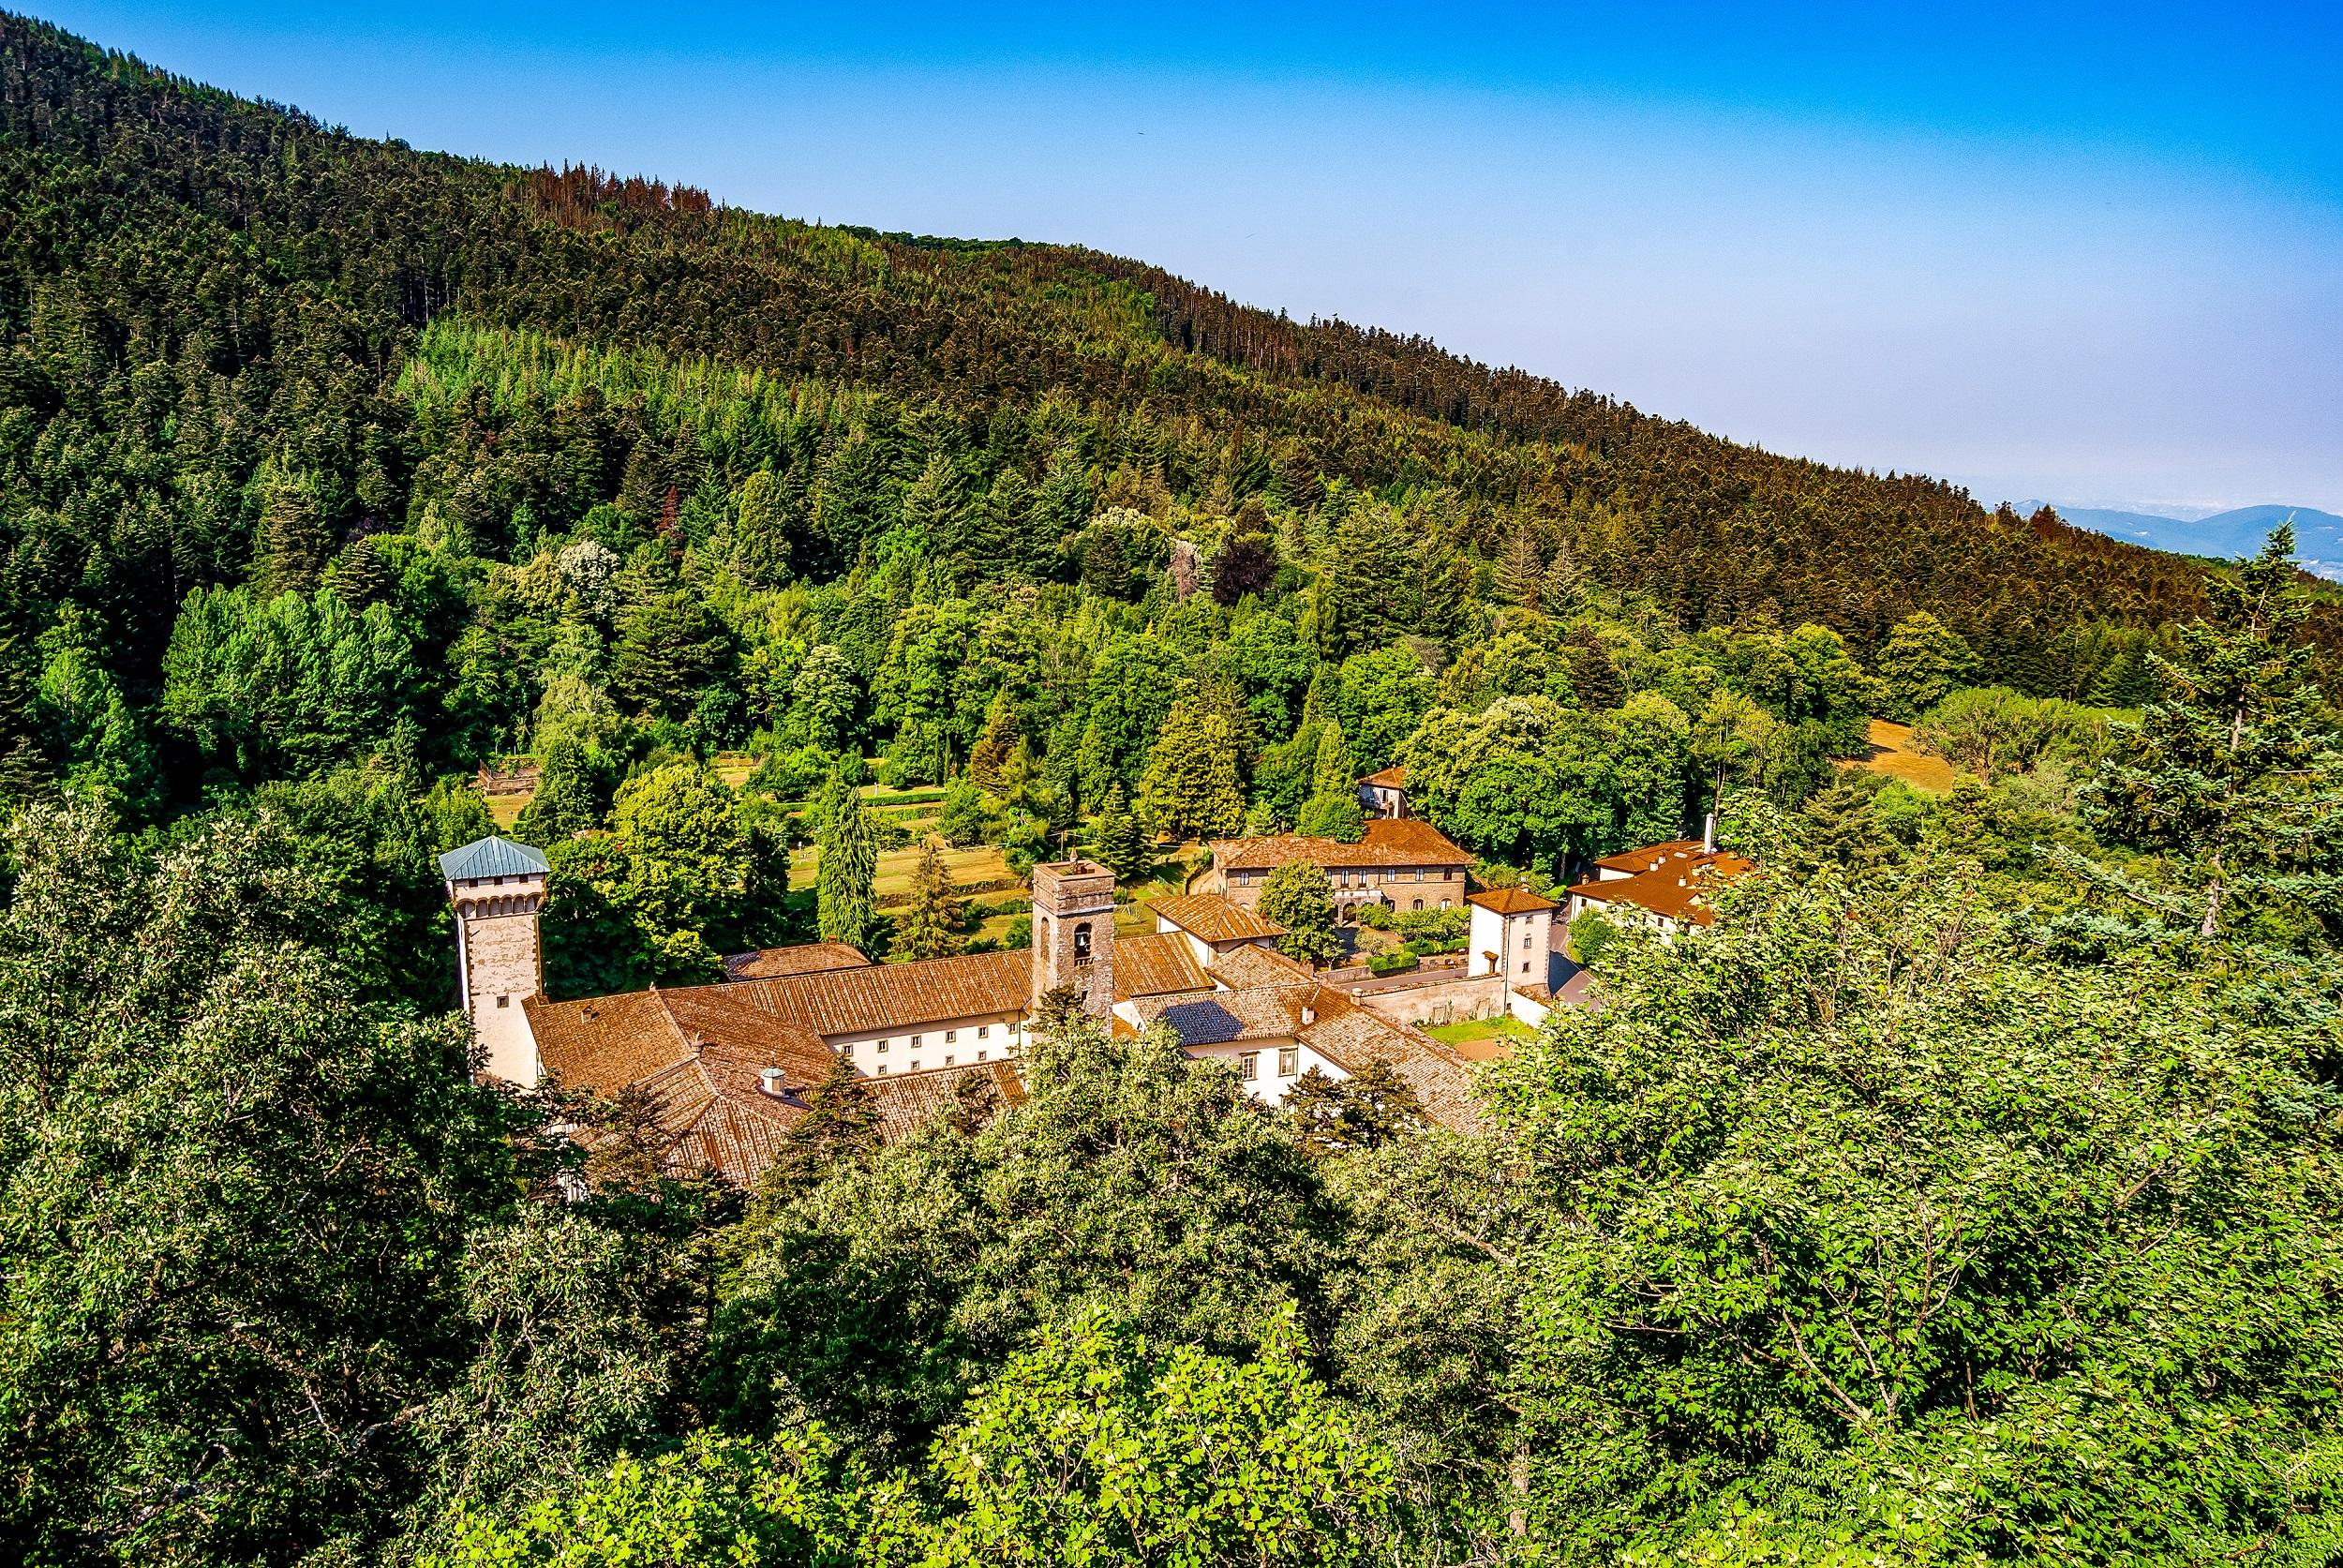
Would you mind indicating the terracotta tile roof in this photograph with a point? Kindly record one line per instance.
(699, 1055)
(1389, 842)
(1510, 900)
(1242, 968)
(775, 963)
(1210, 917)
(1157, 964)
(1650, 855)
(1227, 1017)
(1351, 1037)
(1388, 778)
(908, 1101)
(1678, 888)
(882, 996)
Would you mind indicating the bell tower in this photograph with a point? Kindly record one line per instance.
(498, 889)
(1073, 934)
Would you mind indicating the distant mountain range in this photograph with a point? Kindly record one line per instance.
(2318, 535)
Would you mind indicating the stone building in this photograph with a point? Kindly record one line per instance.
(499, 890)
(1665, 887)
(725, 1069)
(1401, 863)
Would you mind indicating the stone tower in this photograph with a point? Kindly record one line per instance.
(498, 889)
(1073, 932)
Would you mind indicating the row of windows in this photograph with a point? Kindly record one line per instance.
(1342, 874)
(949, 1060)
(1288, 1063)
(984, 1032)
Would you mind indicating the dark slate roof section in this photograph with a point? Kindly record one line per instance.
(491, 857)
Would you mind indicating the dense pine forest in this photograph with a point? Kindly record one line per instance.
(1968, 1193)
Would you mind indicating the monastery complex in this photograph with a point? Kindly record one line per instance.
(727, 1067)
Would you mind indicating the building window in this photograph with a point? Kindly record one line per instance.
(1419, 903)
(950, 1035)
(1288, 1061)
(847, 1049)
(1248, 1066)
(913, 1067)
(1081, 939)
(1443, 903)
(916, 1039)
(947, 1058)
(1525, 941)
(882, 1069)
(981, 1055)
(984, 1031)
(1525, 965)
(504, 1001)
(882, 1050)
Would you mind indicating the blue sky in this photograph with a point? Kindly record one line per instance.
(2094, 253)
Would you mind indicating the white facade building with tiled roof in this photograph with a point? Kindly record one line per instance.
(726, 1067)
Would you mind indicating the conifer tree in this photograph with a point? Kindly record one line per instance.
(360, 577)
(760, 532)
(929, 926)
(1520, 573)
(847, 871)
(2235, 773)
(573, 791)
(1373, 1106)
(1190, 786)
(937, 504)
(989, 758)
(290, 550)
(1333, 810)
(1119, 841)
(841, 1126)
(1559, 588)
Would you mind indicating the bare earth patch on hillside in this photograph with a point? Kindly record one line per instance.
(1893, 755)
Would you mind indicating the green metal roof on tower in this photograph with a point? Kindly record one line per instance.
(492, 856)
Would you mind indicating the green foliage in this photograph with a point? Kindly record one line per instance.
(2237, 769)
(668, 651)
(1298, 897)
(1370, 1108)
(1922, 664)
(928, 926)
(1190, 789)
(1120, 841)
(1128, 1176)
(847, 870)
(1590, 937)
(236, 1192)
(286, 684)
(1880, 1214)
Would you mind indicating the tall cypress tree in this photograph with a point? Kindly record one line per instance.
(845, 904)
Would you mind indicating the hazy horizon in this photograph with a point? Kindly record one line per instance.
(2057, 258)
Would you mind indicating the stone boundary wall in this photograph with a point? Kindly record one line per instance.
(1447, 1001)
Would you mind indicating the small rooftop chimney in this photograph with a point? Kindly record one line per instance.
(1309, 1015)
(770, 1080)
(1709, 834)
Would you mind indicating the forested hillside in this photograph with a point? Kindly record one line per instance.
(1968, 1193)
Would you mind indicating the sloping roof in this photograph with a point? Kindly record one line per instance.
(1210, 917)
(1388, 778)
(1650, 855)
(698, 1056)
(908, 1101)
(808, 958)
(883, 996)
(1229, 1017)
(491, 857)
(1240, 968)
(604, 1043)
(1389, 842)
(1678, 888)
(1510, 900)
(1351, 1037)
(1156, 966)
